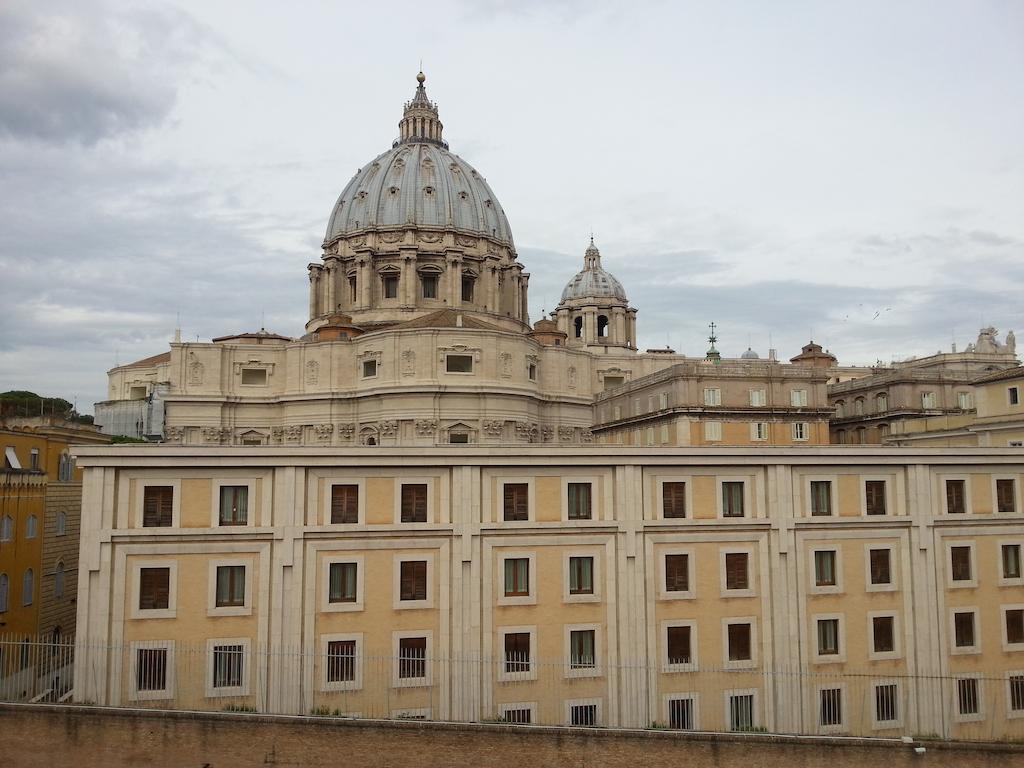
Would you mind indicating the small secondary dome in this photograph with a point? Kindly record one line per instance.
(750, 354)
(593, 282)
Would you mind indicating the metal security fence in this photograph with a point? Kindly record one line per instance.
(334, 680)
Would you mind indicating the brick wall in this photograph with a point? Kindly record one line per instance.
(40, 736)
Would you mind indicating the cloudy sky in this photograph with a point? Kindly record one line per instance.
(848, 170)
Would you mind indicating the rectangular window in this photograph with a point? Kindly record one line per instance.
(1016, 685)
(390, 286)
(828, 637)
(467, 289)
(798, 398)
(967, 699)
(352, 290)
(458, 438)
(517, 716)
(881, 570)
(732, 499)
(344, 504)
(583, 714)
(883, 634)
(341, 661)
(800, 430)
(230, 586)
(927, 399)
(369, 368)
(821, 498)
(517, 652)
(955, 501)
(678, 642)
(1006, 496)
(33, 459)
(227, 666)
(677, 573)
(413, 580)
(429, 284)
(458, 363)
(581, 575)
(741, 712)
(579, 501)
(157, 506)
(673, 499)
(151, 669)
(412, 657)
(581, 649)
(831, 709)
(960, 563)
(1011, 561)
(154, 588)
(1014, 395)
(874, 497)
(739, 642)
(825, 568)
(963, 400)
(712, 430)
(963, 629)
(757, 397)
(712, 396)
(414, 502)
(680, 714)
(343, 583)
(887, 703)
(516, 501)
(736, 571)
(759, 430)
(517, 577)
(1014, 626)
(234, 504)
(255, 377)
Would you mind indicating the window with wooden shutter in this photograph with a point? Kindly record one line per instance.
(739, 642)
(413, 580)
(883, 634)
(154, 588)
(874, 497)
(960, 563)
(677, 640)
(673, 499)
(1006, 496)
(955, 497)
(736, 571)
(516, 501)
(677, 573)
(345, 504)
(881, 571)
(414, 503)
(157, 506)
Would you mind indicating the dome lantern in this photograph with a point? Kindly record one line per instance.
(420, 121)
(594, 310)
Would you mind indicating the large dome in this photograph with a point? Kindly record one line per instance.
(593, 282)
(420, 185)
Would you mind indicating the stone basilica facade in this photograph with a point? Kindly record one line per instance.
(418, 331)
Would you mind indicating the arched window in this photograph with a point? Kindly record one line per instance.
(578, 324)
(858, 406)
(602, 326)
(58, 580)
(62, 523)
(840, 408)
(31, 527)
(468, 281)
(861, 435)
(28, 587)
(5, 584)
(7, 528)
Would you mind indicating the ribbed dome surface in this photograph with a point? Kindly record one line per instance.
(593, 281)
(419, 185)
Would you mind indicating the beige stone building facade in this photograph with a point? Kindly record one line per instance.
(626, 581)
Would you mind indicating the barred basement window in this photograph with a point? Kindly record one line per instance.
(1016, 686)
(680, 714)
(151, 669)
(583, 714)
(831, 711)
(234, 505)
(517, 716)
(344, 504)
(414, 503)
(157, 506)
(886, 703)
(228, 663)
(741, 712)
(967, 696)
(412, 657)
(341, 661)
